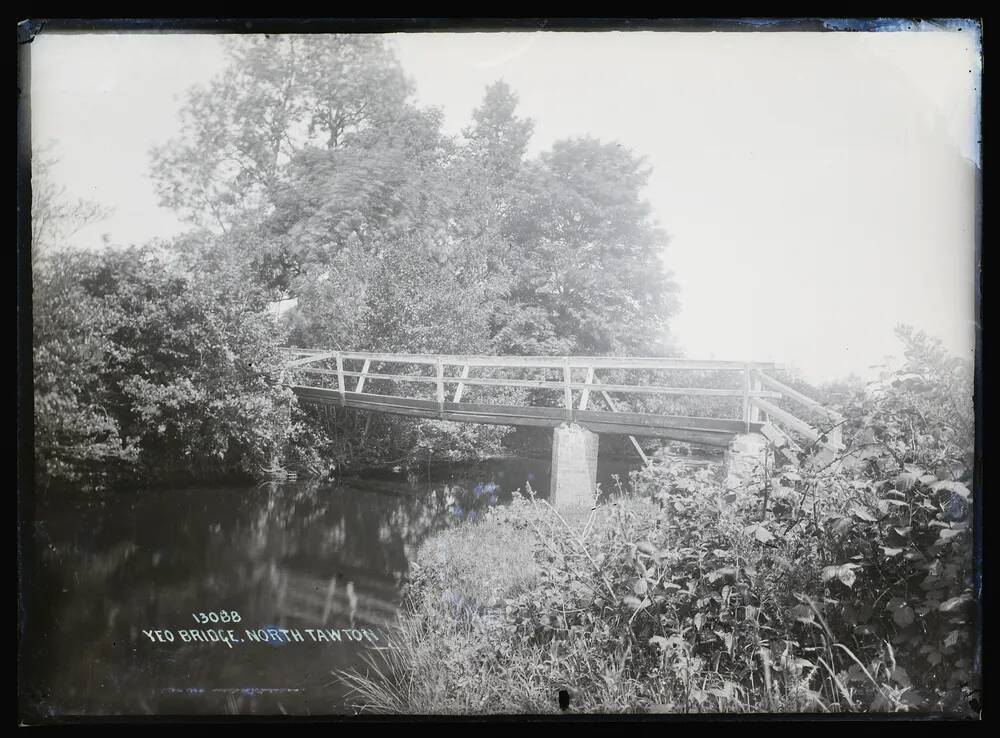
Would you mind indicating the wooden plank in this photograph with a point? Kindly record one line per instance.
(440, 386)
(746, 397)
(468, 412)
(395, 358)
(638, 449)
(568, 390)
(374, 403)
(557, 414)
(576, 362)
(309, 359)
(360, 386)
(340, 376)
(488, 419)
(461, 412)
(478, 381)
(377, 401)
(686, 391)
(461, 385)
(302, 352)
(374, 375)
(784, 389)
(785, 417)
(654, 420)
(773, 433)
(504, 382)
(755, 387)
(585, 397)
(297, 350)
(702, 438)
(629, 362)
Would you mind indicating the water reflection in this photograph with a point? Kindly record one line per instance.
(282, 556)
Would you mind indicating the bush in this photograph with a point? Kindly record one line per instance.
(147, 366)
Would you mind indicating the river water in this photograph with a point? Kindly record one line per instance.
(120, 574)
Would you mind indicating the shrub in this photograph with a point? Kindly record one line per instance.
(159, 365)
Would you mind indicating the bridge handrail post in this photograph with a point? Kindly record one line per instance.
(340, 378)
(585, 397)
(440, 385)
(461, 385)
(746, 396)
(756, 387)
(360, 386)
(568, 390)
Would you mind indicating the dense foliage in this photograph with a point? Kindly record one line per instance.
(309, 155)
(843, 587)
(310, 176)
(151, 365)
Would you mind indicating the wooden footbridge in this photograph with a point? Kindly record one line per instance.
(560, 392)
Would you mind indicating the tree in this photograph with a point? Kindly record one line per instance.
(278, 96)
(497, 141)
(489, 170)
(386, 184)
(591, 277)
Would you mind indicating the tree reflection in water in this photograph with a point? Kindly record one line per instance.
(286, 556)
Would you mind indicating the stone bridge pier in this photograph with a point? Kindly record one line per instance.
(744, 459)
(574, 467)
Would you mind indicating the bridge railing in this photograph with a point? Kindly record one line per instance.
(828, 436)
(448, 376)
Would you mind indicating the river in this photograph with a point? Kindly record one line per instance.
(121, 574)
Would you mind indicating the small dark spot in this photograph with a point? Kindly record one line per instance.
(563, 699)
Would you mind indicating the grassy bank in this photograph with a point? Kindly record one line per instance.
(472, 637)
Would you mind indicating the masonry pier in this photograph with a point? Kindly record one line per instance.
(574, 466)
(744, 458)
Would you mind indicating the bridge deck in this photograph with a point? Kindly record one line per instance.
(702, 431)
(750, 378)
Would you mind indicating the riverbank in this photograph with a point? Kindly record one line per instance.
(680, 596)
(467, 641)
(532, 606)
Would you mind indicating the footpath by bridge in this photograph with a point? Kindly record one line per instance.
(438, 386)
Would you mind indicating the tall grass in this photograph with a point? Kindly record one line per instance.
(438, 659)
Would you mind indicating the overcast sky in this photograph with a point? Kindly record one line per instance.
(817, 187)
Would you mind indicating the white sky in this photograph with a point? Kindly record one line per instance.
(817, 187)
